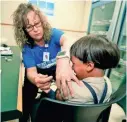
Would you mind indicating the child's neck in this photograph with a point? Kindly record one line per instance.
(96, 73)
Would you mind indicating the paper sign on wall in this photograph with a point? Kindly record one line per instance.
(45, 5)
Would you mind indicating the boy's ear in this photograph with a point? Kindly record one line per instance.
(90, 66)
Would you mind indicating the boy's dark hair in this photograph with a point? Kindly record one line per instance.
(97, 49)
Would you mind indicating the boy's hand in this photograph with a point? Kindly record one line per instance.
(58, 95)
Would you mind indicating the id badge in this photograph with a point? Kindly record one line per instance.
(45, 56)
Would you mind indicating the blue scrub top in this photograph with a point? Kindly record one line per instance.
(33, 57)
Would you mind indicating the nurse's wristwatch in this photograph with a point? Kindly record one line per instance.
(62, 54)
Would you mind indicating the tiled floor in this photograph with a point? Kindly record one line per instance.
(117, 114)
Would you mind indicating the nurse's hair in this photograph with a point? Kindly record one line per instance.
(97, 49)
(20, 20)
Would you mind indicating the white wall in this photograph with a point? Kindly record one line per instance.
(87, 10)
(68, 15)
(7, 8)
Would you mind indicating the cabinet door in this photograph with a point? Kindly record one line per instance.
(102, 18)
(117, 75)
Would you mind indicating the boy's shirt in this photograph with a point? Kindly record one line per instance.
(83, 95)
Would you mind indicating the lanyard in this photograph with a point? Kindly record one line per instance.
(46, 54)
(46, 47)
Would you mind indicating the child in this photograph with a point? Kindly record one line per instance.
(90, 56)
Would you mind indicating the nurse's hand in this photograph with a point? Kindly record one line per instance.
(64, 76)
(43, 82)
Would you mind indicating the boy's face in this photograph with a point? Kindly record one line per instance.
(79, 67)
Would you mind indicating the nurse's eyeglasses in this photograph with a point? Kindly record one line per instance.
(31, 27)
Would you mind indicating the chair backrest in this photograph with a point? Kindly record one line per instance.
(57, 111)
(119, 94)
(122, 102)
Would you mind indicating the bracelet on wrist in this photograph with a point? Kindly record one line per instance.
(62, 54)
